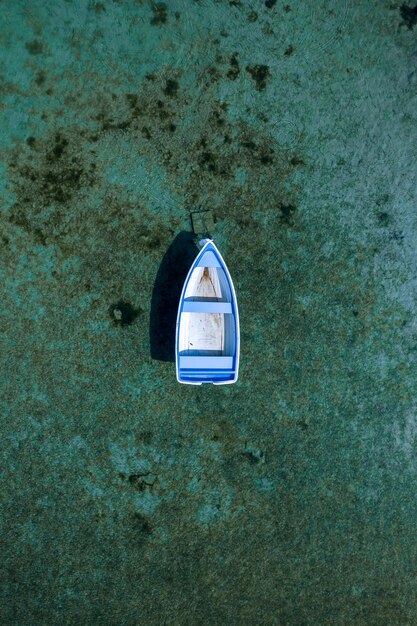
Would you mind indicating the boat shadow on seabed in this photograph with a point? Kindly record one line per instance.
(166, 295)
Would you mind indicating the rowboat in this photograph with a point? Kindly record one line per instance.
(207, 341)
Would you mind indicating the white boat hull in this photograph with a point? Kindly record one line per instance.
(208, 337)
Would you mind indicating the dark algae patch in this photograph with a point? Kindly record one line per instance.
(34, 47)
(287, 211)
(409, 15)
(260, 74)
(296, 160)
(254, 455)
(99, 7)
(207, 161)
(40, 78)
(384, 218)
(123, 313)
(142, 481)
(263, 153)
(160, 13)
(171, 87)
(211, 156)
(60, 144)
(234, 70)
(49, 174)
(142, 525)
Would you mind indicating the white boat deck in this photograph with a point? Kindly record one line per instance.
(202, 329)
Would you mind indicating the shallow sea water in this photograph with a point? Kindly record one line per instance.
(289, 497)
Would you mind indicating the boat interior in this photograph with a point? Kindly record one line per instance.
(207, 330)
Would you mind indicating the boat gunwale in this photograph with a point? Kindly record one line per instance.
(236, 356)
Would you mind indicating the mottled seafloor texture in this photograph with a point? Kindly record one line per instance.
(291, 497)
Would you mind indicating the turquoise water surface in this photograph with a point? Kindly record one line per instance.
(290, 497)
